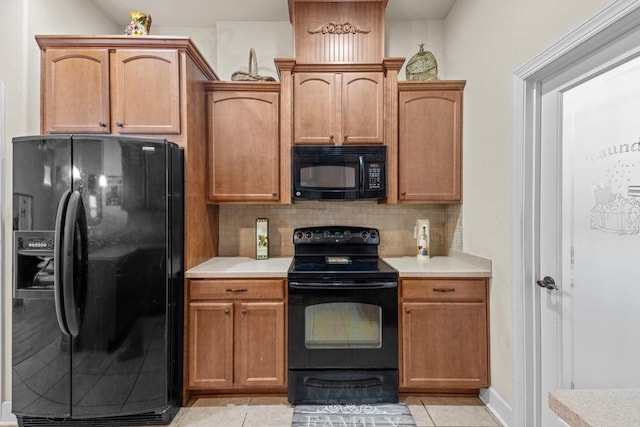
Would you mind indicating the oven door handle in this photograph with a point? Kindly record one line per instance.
(343, 285)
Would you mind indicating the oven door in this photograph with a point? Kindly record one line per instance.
(342, 325)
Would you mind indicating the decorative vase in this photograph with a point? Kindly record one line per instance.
(422, 66)
(140, 24)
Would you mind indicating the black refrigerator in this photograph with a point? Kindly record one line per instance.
(97, 280)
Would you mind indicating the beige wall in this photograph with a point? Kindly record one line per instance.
(486, 40)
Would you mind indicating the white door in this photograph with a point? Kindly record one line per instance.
(590, 232)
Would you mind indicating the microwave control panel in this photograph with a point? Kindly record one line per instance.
(374, 175)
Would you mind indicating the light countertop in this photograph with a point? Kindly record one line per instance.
(240, 267)
(597, 408)
(458, 264)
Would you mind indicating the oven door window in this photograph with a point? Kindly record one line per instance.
(343, 325)
(338, 176)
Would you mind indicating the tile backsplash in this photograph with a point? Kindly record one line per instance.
(395, 222)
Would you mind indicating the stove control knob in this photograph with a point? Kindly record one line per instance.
(299, 235)
(373, 235)
(364, 234)
(308, 234)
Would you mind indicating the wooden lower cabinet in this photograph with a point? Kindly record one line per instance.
(444, 334)
(236, 335)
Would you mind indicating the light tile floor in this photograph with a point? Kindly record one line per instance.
(427, 411)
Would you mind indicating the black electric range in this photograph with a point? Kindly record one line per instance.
(343, 318)
(341, 253)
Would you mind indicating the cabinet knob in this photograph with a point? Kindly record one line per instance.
(102, 124)
(331, 137)
(406, 310)
(244, 311)
(227, 311)
(346, 137)
(404, 193)
(274, 194)
(119, 124)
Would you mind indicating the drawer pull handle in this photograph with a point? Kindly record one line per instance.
(444, 289)
(236, 291)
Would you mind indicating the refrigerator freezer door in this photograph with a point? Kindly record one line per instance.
(41, 356)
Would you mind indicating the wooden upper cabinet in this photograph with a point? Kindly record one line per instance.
(338, 108)
(116, 84)
(338, 32)
(362, 108)
(111, 91)
(430, 141)
(75, 91)
(244, 150)
(146, 91)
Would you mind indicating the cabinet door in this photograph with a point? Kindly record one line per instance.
(210, 344)
(244, 163)
(146, 92)
(315, 108)
(444, 345)
(75, 92)
(261, 349)
(362, 117)
(338, 108)
(430, 146)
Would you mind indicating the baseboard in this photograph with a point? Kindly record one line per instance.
(497, 405)
(7, 418)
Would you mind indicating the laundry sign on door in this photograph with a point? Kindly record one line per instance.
(617, 195)
(602, 150)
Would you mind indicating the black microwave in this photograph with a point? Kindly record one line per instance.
(338, 172)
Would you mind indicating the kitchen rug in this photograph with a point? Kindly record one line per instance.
(378, 415)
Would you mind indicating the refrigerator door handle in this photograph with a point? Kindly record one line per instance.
(57, 261)
(74, 261)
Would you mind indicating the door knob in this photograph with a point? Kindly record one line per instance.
(548, 283)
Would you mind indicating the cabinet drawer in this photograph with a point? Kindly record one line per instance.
(236, 289)
(444, 289)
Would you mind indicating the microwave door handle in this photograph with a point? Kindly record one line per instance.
(361, 159)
